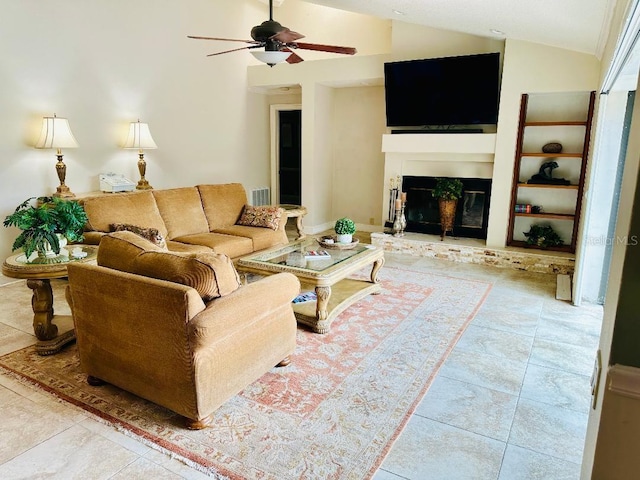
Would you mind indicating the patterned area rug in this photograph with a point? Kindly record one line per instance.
(332, 414)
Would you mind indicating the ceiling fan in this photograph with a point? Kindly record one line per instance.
(278, 42)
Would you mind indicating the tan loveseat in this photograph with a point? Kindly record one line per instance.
(187, 346)
(192, 219)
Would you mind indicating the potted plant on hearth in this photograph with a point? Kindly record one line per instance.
(345, 228)
(447, 191)
(47, 223)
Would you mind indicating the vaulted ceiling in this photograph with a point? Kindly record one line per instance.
(573, 24)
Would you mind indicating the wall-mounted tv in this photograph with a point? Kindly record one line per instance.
(443, 91)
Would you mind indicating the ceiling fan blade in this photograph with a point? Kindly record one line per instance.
(323, 48)
(221, 39)
(234, 50)
(287, 36)
(293, 58)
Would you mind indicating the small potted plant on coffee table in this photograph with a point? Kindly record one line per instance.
(447, 191)
(345, 228)
(47, 223)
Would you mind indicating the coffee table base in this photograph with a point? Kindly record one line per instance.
(341, 295)
(49, 347)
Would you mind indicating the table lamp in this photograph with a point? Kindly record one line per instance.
(140, 139)
(57, 134)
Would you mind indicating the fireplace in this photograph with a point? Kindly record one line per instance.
(472, 213)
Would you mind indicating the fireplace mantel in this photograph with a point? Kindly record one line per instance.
(466, 143)
(465, 155)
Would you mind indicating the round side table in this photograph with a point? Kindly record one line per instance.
(297, 212)
(38, 272)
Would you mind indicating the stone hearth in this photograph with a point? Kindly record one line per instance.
(467, 250)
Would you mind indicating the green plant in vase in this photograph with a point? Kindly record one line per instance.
(345, 228)
(46, 223)
(543, 235)
(447, 191)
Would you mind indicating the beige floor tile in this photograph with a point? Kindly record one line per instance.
(434, 451)
(74, 453)
(26, 424)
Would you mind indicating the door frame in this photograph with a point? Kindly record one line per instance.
(274, 129)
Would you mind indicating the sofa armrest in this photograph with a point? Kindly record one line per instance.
(92, 237)
(247, 305)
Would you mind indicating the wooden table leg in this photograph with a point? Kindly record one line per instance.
(300, 228)
(377, 265)
(322, 302)
(49, 342)
(42, 304)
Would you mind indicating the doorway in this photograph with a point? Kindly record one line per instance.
(286, 153)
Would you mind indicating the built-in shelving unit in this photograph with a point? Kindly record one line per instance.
(560, 204)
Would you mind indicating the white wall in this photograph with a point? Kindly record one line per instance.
(105, 63)
(358, 162)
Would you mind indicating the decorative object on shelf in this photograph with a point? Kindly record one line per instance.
(447, 191)
(140, 138)
(329, 241)
(527, 208)
(56, 133)
(552, 147)
(345, 228)
(543, 235)
(45, 223)
(545, 175)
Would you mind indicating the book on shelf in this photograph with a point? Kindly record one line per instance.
(305, 297)
(313, 254)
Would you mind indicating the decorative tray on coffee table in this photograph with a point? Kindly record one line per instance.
(334, 244)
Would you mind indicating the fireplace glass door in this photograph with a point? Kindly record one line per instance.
(472, 212)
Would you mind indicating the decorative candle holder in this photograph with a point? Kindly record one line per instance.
(403, 221)
(397, 224)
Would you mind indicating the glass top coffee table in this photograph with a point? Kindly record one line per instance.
(325, 274)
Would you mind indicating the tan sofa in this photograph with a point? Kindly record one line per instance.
(161, 341)
(191, 219)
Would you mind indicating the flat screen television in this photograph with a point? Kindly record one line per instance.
(443, 91)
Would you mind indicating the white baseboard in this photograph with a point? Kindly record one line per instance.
(625, 381)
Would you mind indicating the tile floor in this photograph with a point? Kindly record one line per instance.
(510, 402)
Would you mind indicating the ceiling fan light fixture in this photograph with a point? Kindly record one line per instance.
(271, 58)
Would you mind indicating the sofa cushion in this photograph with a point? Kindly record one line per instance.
(262, 216)
(229, 245)
(135, 208)
(181, 210)
(261, 237)
(118, 250)
(210, 274)
(151, 234)
(222, 203)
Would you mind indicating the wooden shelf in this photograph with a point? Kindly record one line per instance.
(551, 155)
(568, 229)
(555, 124)
(550, 216)
(542, 185)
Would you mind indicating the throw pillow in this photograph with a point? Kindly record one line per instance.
(212, 275)
(151, 234)
(264, 216)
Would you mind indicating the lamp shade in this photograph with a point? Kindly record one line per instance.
(139, 137)
(270, 57)
(56, 133)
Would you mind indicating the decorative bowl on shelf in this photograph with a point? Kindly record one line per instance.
(330, 241)
(552, 147)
